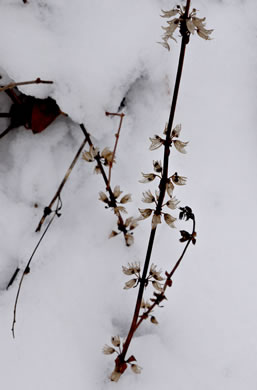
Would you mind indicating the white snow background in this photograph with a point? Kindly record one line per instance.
(73, 301)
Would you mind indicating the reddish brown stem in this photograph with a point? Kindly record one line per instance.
(121, 358)
(36, 81)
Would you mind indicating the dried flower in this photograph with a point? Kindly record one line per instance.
(179, 180)
(108, 350)
(133, 268)
(169, 187)
(148, 197)
(133, 224)
(145, 304)
(186, 213)
(131, 283)
(169, 220)
(107, 154)
(147, 177)
(180, 146)
(113, 234)
(115, 376)
(185, 236)
(126, 198)
(90, 155)
(156, 142)
(136, 369)
(103, 197)
(157, 166)
(154, 320)
(129, 239)
(169, 14)
(119, 209)
(173, 203)
(176, 131)
(156, 220)
(157, 286)
(145, 213)
(117, 192)
(155, 274)
(115, 341)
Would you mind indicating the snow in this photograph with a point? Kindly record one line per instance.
(73, 301)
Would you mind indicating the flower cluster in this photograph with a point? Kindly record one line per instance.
(186, 25)
(105, 157)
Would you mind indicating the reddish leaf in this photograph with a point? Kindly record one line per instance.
(44, 112)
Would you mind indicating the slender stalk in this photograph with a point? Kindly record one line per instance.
(121, 358)
(121, 223)
(27, 269)
(47, 209)
(13, 85)
(117, 135)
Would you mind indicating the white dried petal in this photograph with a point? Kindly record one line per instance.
(180, 146)
(145, 213)
(157, 194)
(115, 376)
(165, 129)
(169, 188)
(156, 220)
(190, 26)
(131, 283)
(148, 197)
(166, 46)
(126, 198)
(103, 197)
(157, 286)
(107, 350)
(136, 369)
(120, 209)
(198, 22)
(156, 142)
(176, 131)
(179, 180)
(170, 220)
(155, 274)
(117, 192)
(87, 156)
(154, 320)
(173, 203)
(129, 239)
(115, 341)
(205, 31)
(107, 154)
(203, 35)
(147, 177)
(169, 14)
(133, 224)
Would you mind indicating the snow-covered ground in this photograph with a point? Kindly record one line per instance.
(73, 300)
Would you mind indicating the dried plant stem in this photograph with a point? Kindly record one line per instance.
(121, 358)
(168, 279)
(117, 135)
(6, 131)
(27, 269)
(48, 210)
(121, 224)
(13, 85)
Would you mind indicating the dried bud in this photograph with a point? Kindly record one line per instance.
(116, 341)
(145, 213)
(156, 142)
(173, 203)
(157, 166)
(176, 131)
(126, 198)
(180, 146)
(136, 369)
(147, 177)
(156, 220)
(131, 283)
(185, 236)
(179, 180)
(108, 350)
(148, 197)
(169, 220)
(117, 192)
(154, 320)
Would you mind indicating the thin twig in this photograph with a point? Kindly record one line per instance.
(47, 209)
(117, 135)
(36, 81)
(119, 362)
(121, 224)
(27, 268)
(6, 131)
